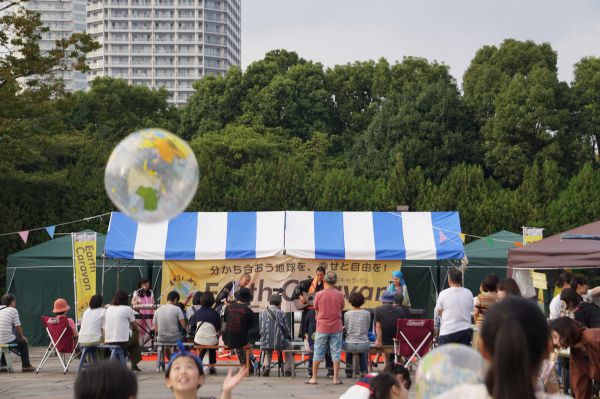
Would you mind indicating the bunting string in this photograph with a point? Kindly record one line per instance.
(50, 229)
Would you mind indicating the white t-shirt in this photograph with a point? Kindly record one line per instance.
(117, 320)
(479, 391)
(555, 307)
(91, 325)
(9, 318)
(456, 304)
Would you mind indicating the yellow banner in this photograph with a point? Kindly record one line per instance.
(84, 263)
(539, 280)
(532, 234)
(371, 278)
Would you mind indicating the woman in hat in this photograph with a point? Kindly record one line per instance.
(61, 307)
(399, 285)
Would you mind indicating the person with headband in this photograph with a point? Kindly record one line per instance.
(399, 285)
(185, 375)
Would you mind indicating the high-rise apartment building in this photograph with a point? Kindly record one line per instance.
(164, 43)
(62, 18)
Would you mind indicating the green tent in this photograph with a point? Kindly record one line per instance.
(487, 255)
(40, 274)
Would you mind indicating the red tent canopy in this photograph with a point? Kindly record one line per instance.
(579, 247)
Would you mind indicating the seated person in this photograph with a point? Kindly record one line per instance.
(11, 331)
(90, 333)
(61, 307)
(121, 329)
(386, 320)
(399, 285)
(238, 321)
(586, 313)
(189, 312)
(274, 334)
(205, 326)
(356, 323)
(167, 322)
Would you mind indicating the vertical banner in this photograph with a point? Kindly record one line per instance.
(278, 274)
(532, 234)
(84, 265)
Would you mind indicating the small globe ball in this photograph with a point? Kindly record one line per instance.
(152, 175)
(446, 367)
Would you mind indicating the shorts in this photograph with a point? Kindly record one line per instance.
(325, 340)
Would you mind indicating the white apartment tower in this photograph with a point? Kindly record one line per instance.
(164, 43)
(63, 18)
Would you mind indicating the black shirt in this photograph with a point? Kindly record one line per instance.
(588, 314)
(207, 315)
(388, 316)
(238, 321)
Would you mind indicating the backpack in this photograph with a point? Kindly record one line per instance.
(206, 334)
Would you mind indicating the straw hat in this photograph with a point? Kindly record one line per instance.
(60, 305)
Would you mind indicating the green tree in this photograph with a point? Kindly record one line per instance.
(586, 88)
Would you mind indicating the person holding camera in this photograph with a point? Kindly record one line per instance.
(274, 334)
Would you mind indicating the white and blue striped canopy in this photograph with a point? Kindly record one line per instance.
(309, 235)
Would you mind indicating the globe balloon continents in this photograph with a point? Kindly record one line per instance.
(152, 175)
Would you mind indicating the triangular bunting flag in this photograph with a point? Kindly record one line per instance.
(442, 237)
(50, 231)
(462, 237)
(24, 234)
(489, 241)
(518, 243)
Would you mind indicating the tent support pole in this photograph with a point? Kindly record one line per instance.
(74, 276)
(102, 286)
(439, 282)
(118, 270)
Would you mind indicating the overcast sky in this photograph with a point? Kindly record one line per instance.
(450, 31)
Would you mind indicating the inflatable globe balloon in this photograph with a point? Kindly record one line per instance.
(446, 367)
(151, 175)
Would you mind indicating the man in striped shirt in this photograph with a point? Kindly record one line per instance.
(11, 331)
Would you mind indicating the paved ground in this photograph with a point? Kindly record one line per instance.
(51, 383)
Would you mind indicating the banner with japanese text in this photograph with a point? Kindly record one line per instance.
(84, 263)
(371, 278)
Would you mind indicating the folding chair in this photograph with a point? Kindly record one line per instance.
(414, 338)
(61, 341)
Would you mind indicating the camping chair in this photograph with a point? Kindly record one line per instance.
(414, 339)
(61, 341)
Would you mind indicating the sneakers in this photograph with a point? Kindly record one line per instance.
(212, 370)
(28, 369)
(136, 368)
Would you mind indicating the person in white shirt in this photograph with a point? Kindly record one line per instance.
(120, 328)
(564, 281)
(454, 307)
(11, 331)
(90, 333)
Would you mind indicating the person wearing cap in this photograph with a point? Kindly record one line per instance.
(399, 285)
(61, 307)
(386, 319)
(184, 376)
(274, 334)
(11, 331)
(238, 322)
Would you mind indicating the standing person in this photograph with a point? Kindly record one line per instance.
(582, 286)
(585, 313)
(306, 289)
(564, 281)
(514, 343)
(121, 329)
(386, 321)
(11, 331)
(399, 285)
(274, 334)
(454, 305)
(144, 296)
(357, 322)
(167, 322)
(92, 320)
(238, 321)
(487, 297)
(205, 326)
(508, 286)
(329, 305)
(584, 361)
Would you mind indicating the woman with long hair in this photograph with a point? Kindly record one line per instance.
(584, 361)
(514, 341)
(142, 301)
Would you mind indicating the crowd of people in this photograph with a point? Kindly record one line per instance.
(510, 332)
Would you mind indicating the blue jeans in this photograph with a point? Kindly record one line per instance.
(322, 340)
(362, 357)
